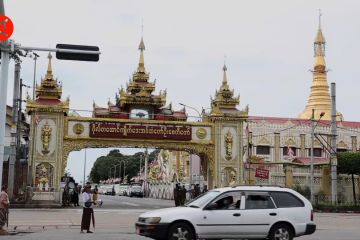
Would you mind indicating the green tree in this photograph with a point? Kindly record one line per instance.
(101, 168)
(349, 163)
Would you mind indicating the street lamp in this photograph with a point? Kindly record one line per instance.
(119, 164)
(110, 172)
(200, 116)
(313, 126)
(115, 169)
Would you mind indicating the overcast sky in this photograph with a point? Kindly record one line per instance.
(268, 47)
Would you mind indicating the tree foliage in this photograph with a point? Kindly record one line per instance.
(101, 168)
(348, 163)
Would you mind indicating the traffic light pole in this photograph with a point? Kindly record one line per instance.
(3, 96)
(56, 50)
(14, 135)
(333, 157)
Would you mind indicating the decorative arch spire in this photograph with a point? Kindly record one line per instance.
(224, 82)
(49, 74)
(141, 67)
(49, 87)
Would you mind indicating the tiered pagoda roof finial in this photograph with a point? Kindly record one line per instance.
(48, 94)
(49, 87)
(139, 90)
(224, 99)
(138, 97)
(319, 98)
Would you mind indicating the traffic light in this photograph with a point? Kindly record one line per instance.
(77, 56)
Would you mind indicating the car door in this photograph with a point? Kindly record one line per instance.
(221, 218)
(260, 213)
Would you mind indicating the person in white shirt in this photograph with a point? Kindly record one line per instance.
(88, 212)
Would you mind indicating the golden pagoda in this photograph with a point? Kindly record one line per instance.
(48, 93)
(319, 98)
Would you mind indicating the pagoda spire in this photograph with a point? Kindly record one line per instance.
(319, 98)
(319, 49)
(49, 74)
(224, 97)
(224, 82)
(141, 67)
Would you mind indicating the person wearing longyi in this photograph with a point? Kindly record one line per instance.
(88, 212)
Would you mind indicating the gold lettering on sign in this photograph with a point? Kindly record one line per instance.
(146, 131)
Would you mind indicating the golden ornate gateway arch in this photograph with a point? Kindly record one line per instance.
(199, 140)
(138, 118)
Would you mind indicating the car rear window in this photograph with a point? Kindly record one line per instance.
(285, 200)
(258, 201)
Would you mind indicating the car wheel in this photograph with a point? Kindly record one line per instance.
(281, 232)
(181, 231)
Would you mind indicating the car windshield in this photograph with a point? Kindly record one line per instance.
(203, 199)
(136, 187)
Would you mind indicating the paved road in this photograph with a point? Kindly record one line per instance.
(121, 202)
(115, 221)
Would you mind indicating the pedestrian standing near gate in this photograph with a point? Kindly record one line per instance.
(176, 195)
(183, 195)
(88, 212)
(95, 194)
(4, 209)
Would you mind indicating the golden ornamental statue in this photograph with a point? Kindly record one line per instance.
(46, 137)
(228, 145)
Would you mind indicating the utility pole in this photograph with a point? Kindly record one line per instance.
(22, 183)
(333, 146)
(3, 95)
(146, 166)
(312, 157)
(14, 136)
(34, 82)
(140, 165)
(85, 168)
(190, 170)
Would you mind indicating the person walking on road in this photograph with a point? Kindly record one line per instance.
(88, 212)
(4, 209)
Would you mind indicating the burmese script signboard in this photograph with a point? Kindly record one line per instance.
(139, 131)
(262, 173)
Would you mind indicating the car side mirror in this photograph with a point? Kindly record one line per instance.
(212, 206)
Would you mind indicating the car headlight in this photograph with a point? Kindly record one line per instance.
(152, 220)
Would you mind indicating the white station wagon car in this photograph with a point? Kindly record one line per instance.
(234, 212)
